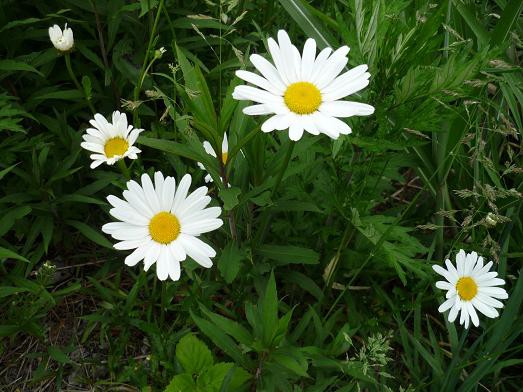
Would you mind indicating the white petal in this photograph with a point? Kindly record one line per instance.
(487, 310)
(307, 59)
(208, 148)
(491, 282)
(174, 269)
(151, 255)
(295, 131)
(256, 95)
(259, 81)
(268, 71)
(137, 256)
(443, 285)
(168, 192)
(343, 90)
(181, 192)
(446, 305)
(126, 245)
(287, 52)
(177, 251)
(334, 65)
(472, 313)
(163, 264)
(278, 122)
(150, 193)
(495, 292)
(320, 62)
(345, 109)
(225, 143)
(129, 215)
(488, 300)
(198, 250)
(202, 226)
(452, 271)
(131, 233)
(345, 78)
(454, 310)
(257, 110)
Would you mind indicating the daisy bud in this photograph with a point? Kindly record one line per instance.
(62, 40)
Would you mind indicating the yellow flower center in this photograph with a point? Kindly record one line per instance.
(164, 227)
(225, 155)
(467, 288)
(302, 97)
(115, 146)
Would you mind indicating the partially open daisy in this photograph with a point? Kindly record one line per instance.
(470, 286)
(209, 150)
(162, 224)
(62, 40)
(303, 92)
(110, 142)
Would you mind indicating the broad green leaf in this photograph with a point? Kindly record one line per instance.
(289, 254)
(193, 354)
(182, 383)
(17, 66)
(268, 310)
(229, 197)
(230, 261)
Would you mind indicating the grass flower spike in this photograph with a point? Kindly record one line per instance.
(209, 150)
(303, 92)
(470, 286)
(111, 142)
(162, 223)
(62, 40)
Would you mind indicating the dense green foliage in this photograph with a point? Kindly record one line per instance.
(323, 278)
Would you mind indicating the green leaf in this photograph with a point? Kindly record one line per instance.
(58, 355)
(228, 326)
(181, 383)
(311, 26)
(215, 377)
(289, 254)
(230, 261)
(220, 339)
(511, 13)
(9, 254)
(229, 197)
(468, 15)
(193, 354)
(90, 233)
(17, 66)
(9, 219)
(6, 291)
(269, 310)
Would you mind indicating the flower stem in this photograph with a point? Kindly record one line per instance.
(266, 216)
(124, 169)
(145, 67)
(67, 58)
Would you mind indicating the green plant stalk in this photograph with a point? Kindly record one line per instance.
(266, 217)
(124, 169)
(67, 58)
(144, 69)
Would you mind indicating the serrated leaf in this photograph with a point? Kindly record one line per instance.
(193, 354)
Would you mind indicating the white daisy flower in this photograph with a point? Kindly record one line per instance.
(303, 92)
(63, 41)
(470, 286)
(162, 224)
(111, 142)
(209, 150)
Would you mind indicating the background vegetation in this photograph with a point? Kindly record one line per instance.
(323, 281)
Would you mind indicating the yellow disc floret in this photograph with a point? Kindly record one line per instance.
(164, 227)
(115, 146)
(302, 98)
(466, 288)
